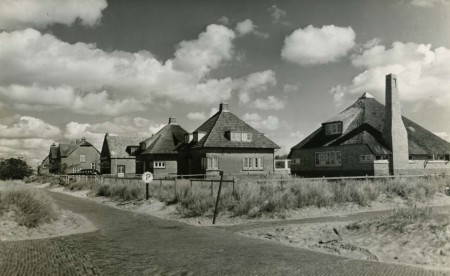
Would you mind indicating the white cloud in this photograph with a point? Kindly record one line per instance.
(271, 102)
(196, 116)
(224, 20)
(277, 14)
(443, 135)
(423, 73)
(21, 127)
(313, 45)
(297, 134)
(87, 77)
(18, 14)
(254, 83)
(291, 88)
(213, 111)
(429, 3)
(260, 123)
(247, 27)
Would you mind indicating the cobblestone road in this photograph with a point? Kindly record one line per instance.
(132, 244)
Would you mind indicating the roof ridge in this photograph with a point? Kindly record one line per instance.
(215, 123)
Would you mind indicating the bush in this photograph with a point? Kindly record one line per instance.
(120, 191)
(30, 207)
(13, 168)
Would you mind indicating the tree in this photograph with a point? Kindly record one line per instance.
(13, 168)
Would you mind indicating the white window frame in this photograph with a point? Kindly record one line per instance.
(328, 159)
(93, 166)
(240, 136)
(252, 163)
(210, 163)
(74, 170)
(82, 158)
(121, 166)
(333, 128)
(246, 137)
(159, 164)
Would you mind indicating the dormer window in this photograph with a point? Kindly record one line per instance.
(240, 136)
(333, 128)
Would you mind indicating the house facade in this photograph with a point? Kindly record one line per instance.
(73, 157)
(44, 167)
(117, 155)
(226, 143)
(369, 138)
(158, 154)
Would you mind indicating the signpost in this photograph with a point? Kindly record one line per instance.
(218, 197)
(147, 177)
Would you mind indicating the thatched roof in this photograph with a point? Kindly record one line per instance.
(117, 145)
(223, 121)
(165, 141)
(363, 122)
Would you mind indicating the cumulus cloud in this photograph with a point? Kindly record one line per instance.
(291, 88)
(196, 116)
(255, 120)
(270, 103)
(423, 73)
(86, 77)
(224, 20)
(429, 3)
(277, 14)
(254, 83)
(18, 14)
(311, 45)
(21, 127)
(247, 27)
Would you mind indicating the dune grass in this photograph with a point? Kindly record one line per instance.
(254, 198)
(25, 205)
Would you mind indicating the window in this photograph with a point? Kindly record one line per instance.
(93, 166)
(210, 163)
(75, 170)
(328, 159)
(240, 136)
(382, 157)
(365, 158)
(333, 128)
(120, 168)
(296, 161)
(159, 165)
(82, 158)
(280, 164)
(253, 163)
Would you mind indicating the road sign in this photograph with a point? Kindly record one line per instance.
(147, 177)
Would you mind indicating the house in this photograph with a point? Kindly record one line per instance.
(44, 167)
(70, 158)
(158, 154)
(369, 138)
(117, 155)
(226, 143)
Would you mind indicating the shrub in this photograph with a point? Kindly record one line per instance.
(13, 168)
(30, 207)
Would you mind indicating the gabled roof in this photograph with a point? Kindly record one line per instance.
(117, 145)
(216, 127)
(165, 141)
(66, 149)
(363, 122)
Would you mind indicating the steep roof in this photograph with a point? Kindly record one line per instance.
(165, 141)
(66, 149)
(117, 145)
(223, 121)
(363, 122)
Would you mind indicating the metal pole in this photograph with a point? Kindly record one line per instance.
(218, 198)
(147, 196)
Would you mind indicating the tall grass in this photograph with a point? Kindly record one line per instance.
(26, 205)
(254, 198)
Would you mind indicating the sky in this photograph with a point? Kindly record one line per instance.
(72, 69)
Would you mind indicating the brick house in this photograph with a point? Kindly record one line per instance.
(70, 158)
(226, 143)
(158, 154)
(117, 155)
(369, 138)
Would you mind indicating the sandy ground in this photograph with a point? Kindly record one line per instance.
(422, 243)
(68, 223)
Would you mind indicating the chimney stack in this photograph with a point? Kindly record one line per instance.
(394, 132)
(172, 120)
(223, 107)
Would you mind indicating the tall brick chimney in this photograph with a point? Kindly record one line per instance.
(223, 107)
(394, 132)
(172, 120)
